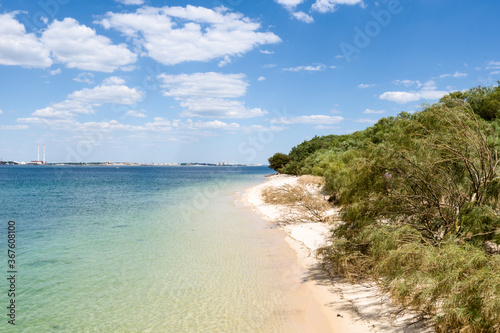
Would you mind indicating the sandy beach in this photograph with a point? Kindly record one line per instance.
(336, 306)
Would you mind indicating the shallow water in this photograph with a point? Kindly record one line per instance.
(142, 249)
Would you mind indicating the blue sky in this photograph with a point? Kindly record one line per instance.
(226, 80)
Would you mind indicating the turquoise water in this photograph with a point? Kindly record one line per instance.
(139, 249)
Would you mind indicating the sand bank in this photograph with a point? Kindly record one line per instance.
(339, 306)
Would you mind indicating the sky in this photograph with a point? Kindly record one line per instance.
(226, 80)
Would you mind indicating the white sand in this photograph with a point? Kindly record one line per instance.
(355, 308)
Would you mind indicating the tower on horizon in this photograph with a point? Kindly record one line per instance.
(38, 162)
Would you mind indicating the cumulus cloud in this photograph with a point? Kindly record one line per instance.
(63, 114)
(301, 16)
(364, 86)
(204, 85)
(14, 127)
(225, 61)
(173, 35)
(312, 119)
(493, 65)
(456, 75)
(290, 4)
(209, 94)
(78, 46)
(266, 52)
(407, 83)
(261, 78)
(329, 6)
(216, 124)
(117, 94)
(176, 128)
(136, 114)
(18, 48)
(308, 68)
(84, 77)
(402, 97)
(370, 111)
(113, 81)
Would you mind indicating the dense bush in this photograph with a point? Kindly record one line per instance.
(419, 196)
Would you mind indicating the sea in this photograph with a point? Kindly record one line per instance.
(138, 249)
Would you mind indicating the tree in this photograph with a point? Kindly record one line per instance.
(278, 161)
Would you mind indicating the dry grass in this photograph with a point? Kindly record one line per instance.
(455, 284)
(304, 204)
(311, 180)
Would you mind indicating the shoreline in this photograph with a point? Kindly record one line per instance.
(339, 306)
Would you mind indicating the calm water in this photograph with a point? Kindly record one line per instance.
(139, 249)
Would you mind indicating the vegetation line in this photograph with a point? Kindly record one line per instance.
(419, 196)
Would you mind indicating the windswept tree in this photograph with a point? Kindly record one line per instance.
(278, 161)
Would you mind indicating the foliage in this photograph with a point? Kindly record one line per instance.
(456, 283)
(419, 196)
(485, 101)
(278, 161)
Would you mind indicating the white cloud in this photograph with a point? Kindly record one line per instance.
(50, 112)
(209, 94)
(55, 71)
(136, 114)
(312, 119)
(309, 68)
(407, 83)
(14, 127)
(301, 16)
(266, 52)
(1, 111)
(456, 75)
(18, 48)
(402, 97)
(63, 114)
(204, 85)
(365, 86)
(261, 78)
(74, 107)
(329, 6)
(225, 61)
(113, 80)
(131, 2)
(216, 107)
(429, 85)
(118, 94)
(173, 35)
(176, 127)
(78, 46)
(370, 111)
(84, 77)
(493, 65)
(289, 3)
(216, 124)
